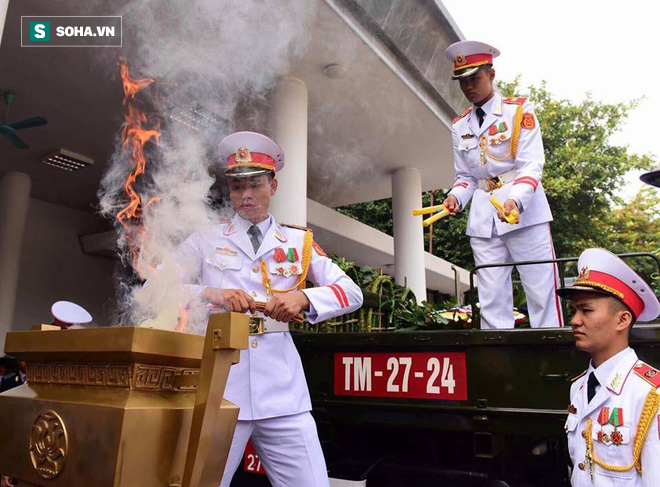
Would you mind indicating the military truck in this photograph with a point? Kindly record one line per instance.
(452, 407)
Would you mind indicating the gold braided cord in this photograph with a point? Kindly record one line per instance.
(643, 425)
(250, 164)
(308, 239)
(471, 65)
(517, 121)
(599, 285)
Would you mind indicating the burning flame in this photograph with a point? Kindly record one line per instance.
(134, 136)
(183, 318)
(131, 86)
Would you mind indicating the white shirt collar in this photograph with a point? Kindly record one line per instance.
(263, 226)
(488, 106)
(604, 371)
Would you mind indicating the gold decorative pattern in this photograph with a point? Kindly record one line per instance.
(251, 164)
(600, 285)
(132, 376)
(472, 65)
(49, 445)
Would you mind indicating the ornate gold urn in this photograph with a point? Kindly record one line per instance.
(121, 406)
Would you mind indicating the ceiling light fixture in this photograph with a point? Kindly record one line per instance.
(198, 117)
(67, 160)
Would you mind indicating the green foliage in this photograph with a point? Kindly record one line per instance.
(449, 239)
(635, 227)
(640, 221)
(416, 317)
(376, 214)
(388, 306)
(583, 169)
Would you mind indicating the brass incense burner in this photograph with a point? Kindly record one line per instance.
(121, 406)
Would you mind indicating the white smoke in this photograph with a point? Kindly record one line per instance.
(212, 54)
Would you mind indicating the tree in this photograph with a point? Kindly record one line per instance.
(583, 171)
(449, 239)
(635, 227)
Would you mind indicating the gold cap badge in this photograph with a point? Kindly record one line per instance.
(243, 156)
(584, 274)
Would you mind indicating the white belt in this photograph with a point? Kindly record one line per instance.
(269, 325)
(496, 182)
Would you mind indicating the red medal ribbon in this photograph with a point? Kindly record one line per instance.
(279, 255)
(604, 416)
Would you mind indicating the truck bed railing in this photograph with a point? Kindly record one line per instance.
(476, 312)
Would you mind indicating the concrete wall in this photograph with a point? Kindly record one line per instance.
(417, 32)
(54, 268)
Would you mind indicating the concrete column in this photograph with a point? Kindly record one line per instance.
(286, 122)
(4, 7)
(14, 200)
(408, 233)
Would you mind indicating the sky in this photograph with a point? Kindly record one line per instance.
(602, 47)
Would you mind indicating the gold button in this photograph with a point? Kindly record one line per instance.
(581, 466)
(254, 344)
(255, 269)
(253, 294)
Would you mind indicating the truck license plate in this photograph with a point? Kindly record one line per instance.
(410, 375)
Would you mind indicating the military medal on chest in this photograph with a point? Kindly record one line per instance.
(288, 263)
(607, 421)
(279, 255)
(616, 420)
(603, 419)
(497, 128)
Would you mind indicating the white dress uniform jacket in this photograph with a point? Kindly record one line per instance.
(625, 383)
(527, 163)
(269, 380)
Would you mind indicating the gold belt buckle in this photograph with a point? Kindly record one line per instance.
(256, 325)
(493, 183)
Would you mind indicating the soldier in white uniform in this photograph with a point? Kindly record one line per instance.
(251, 258)
(498, 152)
(612, 425)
